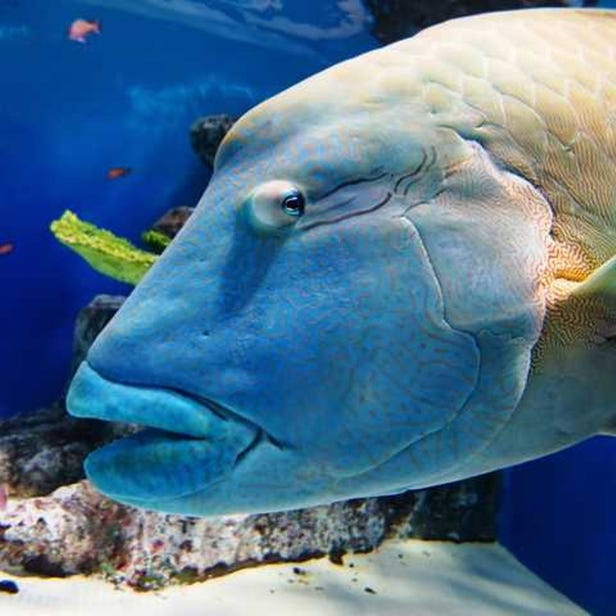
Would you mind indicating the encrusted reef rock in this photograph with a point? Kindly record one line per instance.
(44, 449)
(397, 19)
(76, 530)
(206, 133)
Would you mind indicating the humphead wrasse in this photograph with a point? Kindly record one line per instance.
(402, 273)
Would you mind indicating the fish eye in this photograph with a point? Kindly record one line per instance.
(274, 205)
(293, 204)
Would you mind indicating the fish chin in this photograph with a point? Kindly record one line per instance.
(153, 465)
(185, 447)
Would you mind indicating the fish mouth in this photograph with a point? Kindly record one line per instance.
(188, 442)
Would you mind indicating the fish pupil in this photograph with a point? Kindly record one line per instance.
(293, 204)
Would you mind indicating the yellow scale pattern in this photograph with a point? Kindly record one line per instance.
(540, 89)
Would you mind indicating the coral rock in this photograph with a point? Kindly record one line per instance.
(91, 320)
(206, 134)
(42, 450)
(76, 530)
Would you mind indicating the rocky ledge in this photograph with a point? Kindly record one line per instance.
(76, 530)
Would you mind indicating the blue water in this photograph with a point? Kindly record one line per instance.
(558, 519)
(68, 112)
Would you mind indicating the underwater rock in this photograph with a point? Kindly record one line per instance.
(9, 587)
(397, 19)
(206, 133)
(171, 222)
(90, 321)
(44, 449)
(77, 530)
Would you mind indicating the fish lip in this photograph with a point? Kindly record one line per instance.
(191, 421)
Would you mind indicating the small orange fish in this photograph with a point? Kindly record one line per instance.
(82, 28)
(118, 172)
(6, 248)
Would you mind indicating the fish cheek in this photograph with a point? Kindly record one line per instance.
(386, 367)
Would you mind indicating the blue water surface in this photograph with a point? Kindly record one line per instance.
(68, 112)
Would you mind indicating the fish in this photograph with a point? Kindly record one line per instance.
(118, 172)
(81, 29)
(404, 284)
(6, 248)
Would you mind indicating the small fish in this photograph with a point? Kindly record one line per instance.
(118, 172)
(4, 496)
(6, 248)
(82, 28)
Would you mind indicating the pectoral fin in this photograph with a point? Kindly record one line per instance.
(577, 348)
(600, 284)
(599, 291)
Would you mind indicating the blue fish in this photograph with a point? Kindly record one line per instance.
(401, 274)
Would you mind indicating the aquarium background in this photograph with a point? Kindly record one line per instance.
(69, 112)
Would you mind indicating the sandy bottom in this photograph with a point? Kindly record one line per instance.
(403, 578)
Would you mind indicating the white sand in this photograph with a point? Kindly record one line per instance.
(409, 578)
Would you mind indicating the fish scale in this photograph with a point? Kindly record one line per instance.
(573, 113)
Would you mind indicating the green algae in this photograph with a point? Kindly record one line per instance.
(105, 252)
(155, 240)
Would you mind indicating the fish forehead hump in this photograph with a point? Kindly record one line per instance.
(536, 88)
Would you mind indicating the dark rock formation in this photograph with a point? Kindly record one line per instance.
(76, 530)
(90, 322)
(206, 134)
(397, 19)
(44, 449)
(172, 221)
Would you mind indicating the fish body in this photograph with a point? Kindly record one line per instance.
(402, 273)
(81, 29)
(118, 172)
(6, 248)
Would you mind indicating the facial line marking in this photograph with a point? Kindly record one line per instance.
(351, 183)
(319, 223)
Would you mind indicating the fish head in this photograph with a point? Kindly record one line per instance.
(305, 337)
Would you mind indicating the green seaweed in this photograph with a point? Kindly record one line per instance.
(155, 240)
(105, 252)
